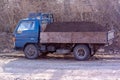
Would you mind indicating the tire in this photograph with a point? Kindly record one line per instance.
(81, 52)
(31, 51)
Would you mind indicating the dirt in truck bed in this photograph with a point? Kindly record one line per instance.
(75, 27)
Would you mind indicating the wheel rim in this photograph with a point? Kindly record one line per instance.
(81, 52)
(31, 50)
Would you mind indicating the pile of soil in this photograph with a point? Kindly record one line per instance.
(75, 27)
(6, 44)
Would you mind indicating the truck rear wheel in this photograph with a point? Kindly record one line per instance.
(81, 52)
(31, 51)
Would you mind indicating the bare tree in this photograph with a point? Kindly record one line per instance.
(100, 11)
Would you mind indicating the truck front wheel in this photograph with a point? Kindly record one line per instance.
(81, 52)
(31, 51)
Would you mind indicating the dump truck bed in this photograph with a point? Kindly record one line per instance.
(73, 37)
(74, 32)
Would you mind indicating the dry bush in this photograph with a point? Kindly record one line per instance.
(104, 12)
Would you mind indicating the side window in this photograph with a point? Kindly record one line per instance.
(26, 25)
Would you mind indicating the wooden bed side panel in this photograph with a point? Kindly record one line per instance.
(73, 37)
(89, 37)
(55, 37)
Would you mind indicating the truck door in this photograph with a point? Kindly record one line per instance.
(26, 32)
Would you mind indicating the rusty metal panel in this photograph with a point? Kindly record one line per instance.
(73, 37)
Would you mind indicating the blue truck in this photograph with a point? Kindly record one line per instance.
(38, 35)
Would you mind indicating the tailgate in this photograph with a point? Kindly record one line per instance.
(111, 36)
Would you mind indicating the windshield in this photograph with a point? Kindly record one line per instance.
(26, 25)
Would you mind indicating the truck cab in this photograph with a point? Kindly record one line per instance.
(28, 30)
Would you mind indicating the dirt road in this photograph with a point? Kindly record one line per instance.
(14, 66)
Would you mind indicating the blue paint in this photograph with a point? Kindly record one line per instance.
(28, 30)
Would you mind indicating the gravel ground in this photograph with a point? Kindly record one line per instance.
(13, 66)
